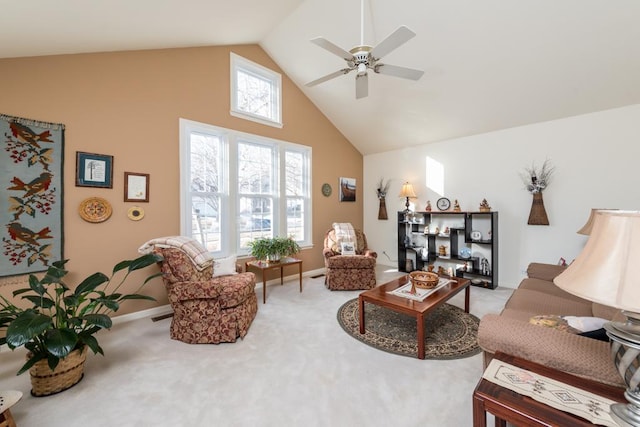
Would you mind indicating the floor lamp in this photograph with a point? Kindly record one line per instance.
(606, 272)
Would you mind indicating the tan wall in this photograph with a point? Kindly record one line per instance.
(127, 104)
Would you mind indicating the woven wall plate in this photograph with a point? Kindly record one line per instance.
(135, 213)
(95, 209)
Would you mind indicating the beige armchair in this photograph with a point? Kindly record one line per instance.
(206, 309)
(349, 272)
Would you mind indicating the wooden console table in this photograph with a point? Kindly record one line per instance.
(263, 267)
(508, 406)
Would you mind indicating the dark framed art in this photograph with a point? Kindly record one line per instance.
(136, 187)
(347, 189)
(94, 170)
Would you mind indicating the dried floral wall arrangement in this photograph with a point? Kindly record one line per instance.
(536, 181)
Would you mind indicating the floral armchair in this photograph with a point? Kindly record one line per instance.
(206, 309)
(349, 272)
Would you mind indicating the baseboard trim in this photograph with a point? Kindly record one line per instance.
(151, 312)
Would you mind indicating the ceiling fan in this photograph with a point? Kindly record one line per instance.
(363, 58)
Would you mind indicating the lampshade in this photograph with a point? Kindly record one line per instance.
(586, 229)
(407, 191)
(606, 271)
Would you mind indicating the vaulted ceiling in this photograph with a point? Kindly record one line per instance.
(489, 64)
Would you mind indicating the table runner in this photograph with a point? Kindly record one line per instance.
(551, 392)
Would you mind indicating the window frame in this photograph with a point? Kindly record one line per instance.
(239, 63)
(229, 191)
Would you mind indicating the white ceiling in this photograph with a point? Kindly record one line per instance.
(489, 64)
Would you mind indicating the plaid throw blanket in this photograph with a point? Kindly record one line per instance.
(200, 257)
(344, 233)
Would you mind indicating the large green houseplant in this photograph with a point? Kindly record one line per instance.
(60, 320)
(273, 248)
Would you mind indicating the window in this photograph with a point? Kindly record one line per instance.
(256, 92)
(237, 187)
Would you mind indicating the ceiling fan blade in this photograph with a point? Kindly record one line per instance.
(362, 86)
(403, 72)
(393, 41)
(336, 50)
(328, 77)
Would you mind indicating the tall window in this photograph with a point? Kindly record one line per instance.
(257, 191)
(256, 92)
(237, 187)
(296, 184)
(205, 189)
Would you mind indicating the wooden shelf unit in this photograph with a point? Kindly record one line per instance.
(423, 249)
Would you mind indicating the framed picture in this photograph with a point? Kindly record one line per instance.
(136, 187)
(347, 189)
(348, 248)
(94, 170)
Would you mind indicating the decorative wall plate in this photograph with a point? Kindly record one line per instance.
(95, 209)
(326, 190)
(135, 213)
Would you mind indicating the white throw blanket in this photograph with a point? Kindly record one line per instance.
(344, 233)
(198, 254)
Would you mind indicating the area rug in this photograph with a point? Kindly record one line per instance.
(450, 333)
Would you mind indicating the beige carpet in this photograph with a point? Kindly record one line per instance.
(296, 367)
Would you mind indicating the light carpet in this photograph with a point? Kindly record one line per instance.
(296, 367)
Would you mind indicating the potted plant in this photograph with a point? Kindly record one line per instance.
(61, 323)
(271, 249)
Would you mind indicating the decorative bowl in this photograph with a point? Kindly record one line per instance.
(424, 279)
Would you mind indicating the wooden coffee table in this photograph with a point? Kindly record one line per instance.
(418, 309)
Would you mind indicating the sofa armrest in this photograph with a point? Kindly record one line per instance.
(544, 271)
(183, 291)
(564, 351)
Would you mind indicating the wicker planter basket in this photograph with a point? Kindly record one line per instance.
(68, 373)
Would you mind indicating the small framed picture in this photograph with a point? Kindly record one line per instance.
(136, 187)
(94, 170)
(348, 248)
(347, 189)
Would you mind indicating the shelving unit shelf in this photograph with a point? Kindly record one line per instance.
(471, 244)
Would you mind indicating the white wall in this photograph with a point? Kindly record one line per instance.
(596, 157)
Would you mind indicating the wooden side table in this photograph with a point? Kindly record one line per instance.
(508, 406)
(263, 267)
(7, 400)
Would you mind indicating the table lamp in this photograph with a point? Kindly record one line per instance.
(586, 229)
(606, 272)
(407, 191)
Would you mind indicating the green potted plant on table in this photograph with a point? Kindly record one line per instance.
(61, 323)
(271, 249)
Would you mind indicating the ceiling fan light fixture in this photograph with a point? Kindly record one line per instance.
(362, 57)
